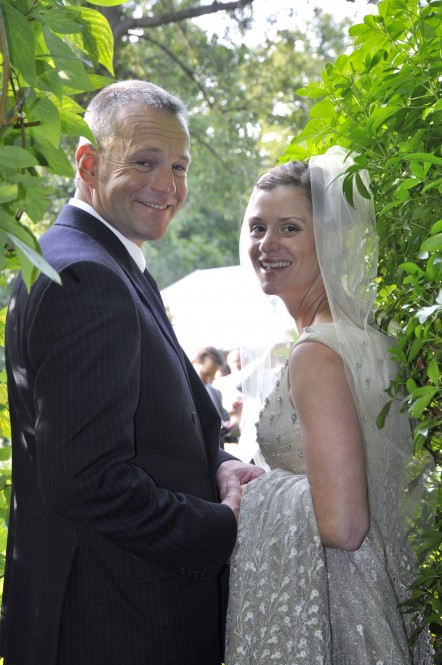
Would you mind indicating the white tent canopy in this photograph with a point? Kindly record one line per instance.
(218, 307)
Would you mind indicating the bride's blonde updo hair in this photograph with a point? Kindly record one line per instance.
(293, 174)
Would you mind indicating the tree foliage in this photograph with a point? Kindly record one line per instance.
(48, 55)
(383, 101)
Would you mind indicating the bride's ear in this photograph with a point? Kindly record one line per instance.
(87, 161)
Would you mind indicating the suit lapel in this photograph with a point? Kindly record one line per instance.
(144, 283)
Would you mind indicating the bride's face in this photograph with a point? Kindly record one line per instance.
(281, 243)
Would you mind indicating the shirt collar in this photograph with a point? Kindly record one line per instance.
(131, 247)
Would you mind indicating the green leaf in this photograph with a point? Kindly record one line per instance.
(358, 29)
(348, 189)
(37, 201)
(73, 125)
(411, 385)
(294, 152)
(433, 371)
(432, 185)
(101, 81)
(324, 108)
(63, 21)
(432, 244)
(47, 115)
(5, 453)
(312, 91)
(71, 70)
(380, 115)
(419, 406)
(415, 348)
(380, 420)
(312, 129)
(54, 158)
(15, 157)
(363, 191)
(97, 37)
(8, 192)
(433, 269)
(26, 180)
(31, 262)
(409, 183)
(411, 268)
(10, 226)
(107, 3)
(27, 247)
(69, 105)
(20, 39)
(424, 157)
(381, 54)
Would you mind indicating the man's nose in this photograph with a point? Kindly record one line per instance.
(164, 180)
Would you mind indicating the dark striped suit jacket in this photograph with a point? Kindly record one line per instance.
(117, 542)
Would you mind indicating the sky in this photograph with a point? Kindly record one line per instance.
(288, 15)
(339, 8)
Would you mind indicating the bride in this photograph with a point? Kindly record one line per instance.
(322, 563)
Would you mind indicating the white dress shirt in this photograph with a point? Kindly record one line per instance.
(131, 247)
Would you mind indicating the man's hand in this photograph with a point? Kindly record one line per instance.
(233, 495)
(243, 472)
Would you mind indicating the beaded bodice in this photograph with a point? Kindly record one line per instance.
(277, 431)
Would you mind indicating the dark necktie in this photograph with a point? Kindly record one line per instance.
(162, 309)
(152, 282)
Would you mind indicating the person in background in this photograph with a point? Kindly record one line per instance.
(230, 386)
(233, 359)
(223, 370)
(207, 361)
(124, 509)
(322, 563)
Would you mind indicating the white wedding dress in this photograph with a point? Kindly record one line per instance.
(294, 602)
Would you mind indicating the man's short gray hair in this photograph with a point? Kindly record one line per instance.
(104, 107)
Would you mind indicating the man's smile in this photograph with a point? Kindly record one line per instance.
(156, 206)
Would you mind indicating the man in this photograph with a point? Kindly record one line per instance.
(230, 387)
(206, 361)
(117, 541)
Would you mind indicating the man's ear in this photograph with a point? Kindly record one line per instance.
(87, 161)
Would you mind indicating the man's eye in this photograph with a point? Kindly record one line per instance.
(143, 162)
(180, 167)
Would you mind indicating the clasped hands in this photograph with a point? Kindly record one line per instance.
(231, 477)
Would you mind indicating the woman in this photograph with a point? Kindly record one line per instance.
(322, 561)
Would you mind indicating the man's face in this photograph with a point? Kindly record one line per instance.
(140, 179)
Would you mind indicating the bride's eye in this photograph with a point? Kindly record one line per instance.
(291, 228)
(257, 229)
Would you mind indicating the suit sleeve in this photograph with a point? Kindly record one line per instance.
(83, 346)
